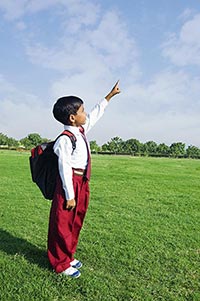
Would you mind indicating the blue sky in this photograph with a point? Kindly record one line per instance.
(53, 48)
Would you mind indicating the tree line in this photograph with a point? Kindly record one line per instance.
(150, 148)
(26, 143)
(115, 146)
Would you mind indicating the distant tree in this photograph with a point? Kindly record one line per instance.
(149, 147)
(12, 142)
(8, 141)
(123, 147)
(3, 139)
(144, 149)
(32, 140)
(193, 152)
(163, 149)
(25, 142)
(115, 145)
(132, 146)
(105, 147)
(94, 146)
(177, 149)
(35, 139)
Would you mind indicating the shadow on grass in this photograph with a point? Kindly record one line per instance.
(18, 246)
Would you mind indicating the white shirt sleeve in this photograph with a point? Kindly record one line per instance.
(95, 114)
(63, 149)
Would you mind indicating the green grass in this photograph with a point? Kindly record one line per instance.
(140, 239)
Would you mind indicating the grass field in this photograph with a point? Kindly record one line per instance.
(140, 240)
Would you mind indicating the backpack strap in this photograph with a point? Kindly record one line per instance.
(71, 136)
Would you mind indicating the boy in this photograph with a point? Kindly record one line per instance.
(71, 197)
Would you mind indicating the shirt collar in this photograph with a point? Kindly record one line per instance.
(72, 129)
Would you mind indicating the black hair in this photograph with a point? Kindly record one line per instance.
(65, 106)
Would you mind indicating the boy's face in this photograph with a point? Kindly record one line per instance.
(80, 117)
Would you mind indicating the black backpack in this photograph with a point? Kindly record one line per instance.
(44, 165)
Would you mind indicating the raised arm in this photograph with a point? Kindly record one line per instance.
(99, 108)
(115, 90)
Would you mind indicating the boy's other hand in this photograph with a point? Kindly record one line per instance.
(71, 204)
(115, 90)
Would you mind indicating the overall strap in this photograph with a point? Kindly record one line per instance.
(88, 168)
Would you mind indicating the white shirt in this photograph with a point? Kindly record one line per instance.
(78, 159)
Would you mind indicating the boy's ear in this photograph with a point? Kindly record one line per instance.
(71, 118)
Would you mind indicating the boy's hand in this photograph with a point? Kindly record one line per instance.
(115, 90)
(71, 204)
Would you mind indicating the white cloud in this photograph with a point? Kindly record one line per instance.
(184, 49)
(14, 10)
(165, 108)
(85, 10)
(167, 89)
(186, 14)
(12, 93)
(92, 59)
(81, 13)
(20, 26)
(22, 112)
(106, 45)
(20, 119)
